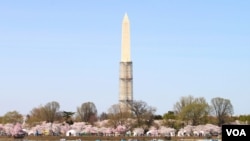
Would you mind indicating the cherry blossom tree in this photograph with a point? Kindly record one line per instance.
(16, 129)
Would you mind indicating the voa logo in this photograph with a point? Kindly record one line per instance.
(236, 132)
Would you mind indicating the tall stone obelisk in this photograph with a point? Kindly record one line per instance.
(126, 76)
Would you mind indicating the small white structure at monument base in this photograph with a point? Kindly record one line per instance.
(71, 133)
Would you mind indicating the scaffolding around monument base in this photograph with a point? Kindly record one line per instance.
(126, 84)
(125, 105)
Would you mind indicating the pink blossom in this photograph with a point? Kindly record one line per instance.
(121, 129)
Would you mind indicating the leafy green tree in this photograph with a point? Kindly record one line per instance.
(211, 119)
(222, 109)
(169, 119)
(36, 116)
(12, 117)
(192, 110)
(1, 119)
(182, 103)
(158, 117)
(244, 119)
(169, 115)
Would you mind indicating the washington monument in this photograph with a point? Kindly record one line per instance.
(126, 75)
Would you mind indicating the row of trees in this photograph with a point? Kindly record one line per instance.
(50, 112)
(141, 112)
(188, 110)
(87, 112)
(196, 110)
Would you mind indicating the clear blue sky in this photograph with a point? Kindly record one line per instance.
(69, 51)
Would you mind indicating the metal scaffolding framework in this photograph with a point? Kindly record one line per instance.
(126, 85)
